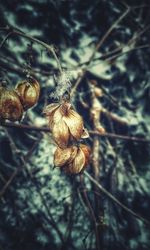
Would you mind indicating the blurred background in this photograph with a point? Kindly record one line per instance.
(42, 207)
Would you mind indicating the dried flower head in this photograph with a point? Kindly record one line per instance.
(64, 123)
(28, 91)
(73, 159)
(10, 105)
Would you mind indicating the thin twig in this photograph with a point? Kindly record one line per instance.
(52, 221)
(103, 39)
(97, 47)
(17, 170)
(5, 187)
(120, 137)
(5, 39)
(129, 43)
(18, 32)
(91, 132)
(145, 46)
(113, 198)
(86, 201)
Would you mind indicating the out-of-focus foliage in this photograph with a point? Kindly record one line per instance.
(40, 195)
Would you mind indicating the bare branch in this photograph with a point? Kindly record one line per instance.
(91, 132)
(18, 32)
(113, 198)
(97, 47)
(5, 39)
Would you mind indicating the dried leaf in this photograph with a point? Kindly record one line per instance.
(75, 123)
(62, 156)
(60, 134)
(78, 163)
(87, 151)
(49, 109)
(54, 118)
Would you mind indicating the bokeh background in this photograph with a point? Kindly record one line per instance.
(43, 208)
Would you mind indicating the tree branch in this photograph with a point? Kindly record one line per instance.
(113, 198)
(97, 47)
(18, 32)
(91, 132)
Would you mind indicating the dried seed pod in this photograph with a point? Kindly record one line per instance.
(28, 91)
(64, 156)
(72, 160)
(64, 123)
(10, 105)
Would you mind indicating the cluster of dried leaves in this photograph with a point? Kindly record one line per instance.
(67, 129)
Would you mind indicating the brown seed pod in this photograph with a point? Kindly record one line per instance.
(64, 123)
(28, 91)
(10, 105)
(73, 159)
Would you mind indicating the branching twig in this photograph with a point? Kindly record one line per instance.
(5, 39)
(17, 170)
(120, 49)
(91, 132)
(86, 201)
(113, 198)
(120, 137)
(18, 32)
(97, 47)
(110, 59)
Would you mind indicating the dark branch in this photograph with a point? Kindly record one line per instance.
(114, 199)
(91, 132)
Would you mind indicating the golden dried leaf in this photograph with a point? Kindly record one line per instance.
(57, 116)
(64, 156)
(75, 123)
(61, 134)
(50, 109)
(78, 164)
(87, 151)
(61, 156)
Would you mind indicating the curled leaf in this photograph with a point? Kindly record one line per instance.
(60, 134)
(73, 159)
(75, 123)
(64, 156)
(78, 163)
(49, 109)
